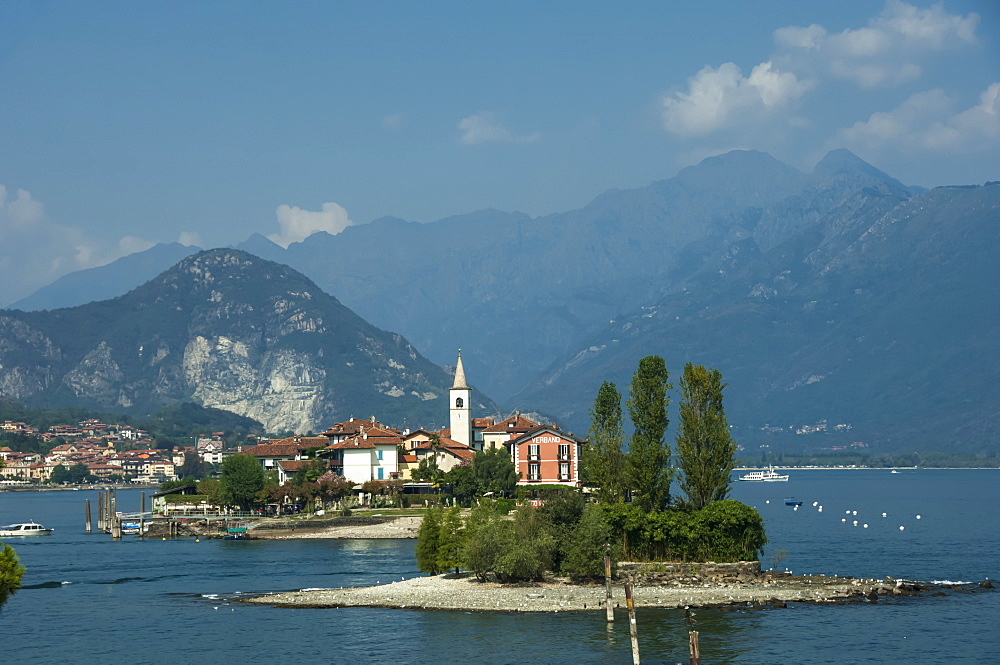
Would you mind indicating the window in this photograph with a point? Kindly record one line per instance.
(532, 451)
(563, 470)
(534, 471)
(380, 472)
(379, 454)
(459, 403)
(564, 451)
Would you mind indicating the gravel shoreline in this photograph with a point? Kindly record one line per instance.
(401, 527)
(464, 592)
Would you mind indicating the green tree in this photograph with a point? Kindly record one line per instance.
(212, 489)
(528, 550)
(705, 449)
(428, 536)
(463, 482)
(242, 478)
(428, 470)
(603, 459)
(486, 534)
(311, 471)
(584, 547)
(11, 572)
(193, 466)
(494, 471)
(648, 459)
(449, 550)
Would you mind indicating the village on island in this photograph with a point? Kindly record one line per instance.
(494, 504)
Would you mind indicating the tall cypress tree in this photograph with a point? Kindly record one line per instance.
(648, 459)
(428, 537)
(450, 533)
(603, 459)
(705, 448)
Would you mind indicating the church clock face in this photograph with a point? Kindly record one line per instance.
(459, 403)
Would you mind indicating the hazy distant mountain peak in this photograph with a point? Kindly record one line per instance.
(843, 161)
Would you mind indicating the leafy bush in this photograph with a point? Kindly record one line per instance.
(722, 531)
(585, 546)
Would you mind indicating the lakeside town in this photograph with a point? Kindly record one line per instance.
(358, 449)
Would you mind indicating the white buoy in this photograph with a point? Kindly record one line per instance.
(855, 522)
(847, 512)
(815, 503)
(855, 512)
(901, 528)
(843, 519)
(918, 516)
(883, 515)
(795, 508)
(866, 526)
(821, 509)
(767, 501)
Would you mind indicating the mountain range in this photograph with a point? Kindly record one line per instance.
(839, 303)
(228, 330)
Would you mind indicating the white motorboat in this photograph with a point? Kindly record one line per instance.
(24, 529)
(769, 476)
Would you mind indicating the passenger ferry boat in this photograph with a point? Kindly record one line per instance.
(24, 529)
(769, 476)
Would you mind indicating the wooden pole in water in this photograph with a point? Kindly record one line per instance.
(86, 519)
(632, 627)
(694, 648)
(609, 611)
(100, 510)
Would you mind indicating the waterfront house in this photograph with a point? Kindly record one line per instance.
(371, 454)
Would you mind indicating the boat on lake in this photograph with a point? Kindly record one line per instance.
(24, 529)
(769, 476)
(792, 501)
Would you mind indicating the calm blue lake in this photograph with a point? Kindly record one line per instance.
(89, 599)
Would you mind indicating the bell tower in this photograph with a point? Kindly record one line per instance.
(461, 406)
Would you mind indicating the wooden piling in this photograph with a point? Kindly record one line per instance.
(609, 612)
(694, 648)
(633, 629)
(86, 518)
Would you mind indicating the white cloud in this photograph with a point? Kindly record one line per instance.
(296, 224)
(885, 52)
(928, 122)
(189, 238)
(34, 251)
(716, 98)
(485, 127)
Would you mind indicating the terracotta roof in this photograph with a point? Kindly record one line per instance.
(303, 441)
(443, 442)
(482, 422)
(408, 459)
(535, 431)
(515, 423)
(354, 425)
(293, 464)
(275, 450)
(366, 441)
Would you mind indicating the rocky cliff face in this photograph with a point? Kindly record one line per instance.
(228, 330)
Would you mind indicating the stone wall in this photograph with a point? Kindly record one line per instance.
(670, 573)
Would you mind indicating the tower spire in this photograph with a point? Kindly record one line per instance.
(459, 374)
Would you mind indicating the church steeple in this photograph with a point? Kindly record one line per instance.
(461, 405)
(459, 374)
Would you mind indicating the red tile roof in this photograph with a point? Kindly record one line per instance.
(515, 424)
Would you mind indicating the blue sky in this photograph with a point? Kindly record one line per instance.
(126, 124)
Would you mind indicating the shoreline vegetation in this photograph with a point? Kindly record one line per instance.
(464, 592)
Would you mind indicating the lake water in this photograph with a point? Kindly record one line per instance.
(88, 599)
